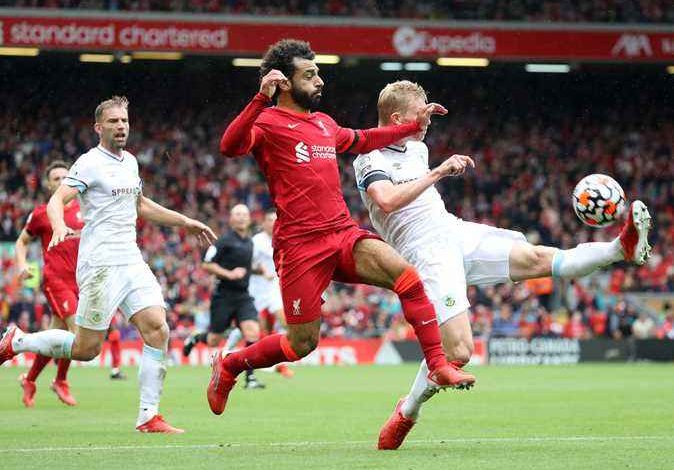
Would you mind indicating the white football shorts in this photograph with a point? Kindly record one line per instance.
(104, 289)
(469, 254)
(267, 296)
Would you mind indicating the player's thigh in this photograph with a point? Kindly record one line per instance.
(440, 266)
(246, 318)
(101, 290)
(222, 312)
(486, 252)
(529, 261)
(151, 324)
(62, 299)
(377, 263)
(457, 337)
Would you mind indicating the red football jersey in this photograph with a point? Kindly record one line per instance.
(297, 152)
(61, 261)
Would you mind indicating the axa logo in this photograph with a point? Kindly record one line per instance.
(296, 307)
(633, 45)
(302, 153)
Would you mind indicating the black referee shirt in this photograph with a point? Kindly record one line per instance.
(232, 251)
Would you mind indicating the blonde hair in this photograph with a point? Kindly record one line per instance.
(114, 102)
(396, 97)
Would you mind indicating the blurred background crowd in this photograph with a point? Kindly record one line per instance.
(605, 11)
(532, 138)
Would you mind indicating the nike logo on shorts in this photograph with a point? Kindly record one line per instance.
(293, 126)
(428, 321)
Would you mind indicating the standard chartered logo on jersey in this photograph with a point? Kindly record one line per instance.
(304, 153)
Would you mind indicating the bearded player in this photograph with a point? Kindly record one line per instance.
(111, 272)
(397, 187)
(315, 240)
(59, 285)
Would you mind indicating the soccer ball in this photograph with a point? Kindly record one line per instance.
(598, 200)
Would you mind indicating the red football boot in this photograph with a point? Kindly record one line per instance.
(222, 382)
(29, 389)
(634, 235)
(62, 390)
(394, 431)
(6, 349)
(285, 371)
(450, 376)
(157, 424)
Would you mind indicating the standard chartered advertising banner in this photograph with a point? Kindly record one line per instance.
(536, 351)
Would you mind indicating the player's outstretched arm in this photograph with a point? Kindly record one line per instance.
(241, 135)
(367, 140)
(63, 195)
(390, 197)
(150, 210)
(21, 254)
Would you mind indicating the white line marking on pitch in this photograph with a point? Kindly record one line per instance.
(467, 440)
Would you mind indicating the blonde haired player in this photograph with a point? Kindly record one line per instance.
(111, 272)
(397, 187)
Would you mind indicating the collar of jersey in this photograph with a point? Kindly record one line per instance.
(110, 154)
(397, 148)
(295, 114)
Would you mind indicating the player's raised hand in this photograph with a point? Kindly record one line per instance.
(203, 232)
(59, 234)
(455, 165)
(270, 81)
(424, 115)
(237, 273)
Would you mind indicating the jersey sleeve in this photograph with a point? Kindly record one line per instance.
(82, 175)
(210, 254)
(371, 167)
(31, 225)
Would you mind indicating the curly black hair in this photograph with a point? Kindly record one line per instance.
(280, 56)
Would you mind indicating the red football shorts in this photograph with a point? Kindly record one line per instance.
(62, 298)
(306, 268)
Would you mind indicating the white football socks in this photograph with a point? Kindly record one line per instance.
(420, 393)
(151, 380)
(51, 343)
(233, 339)
(586, 258)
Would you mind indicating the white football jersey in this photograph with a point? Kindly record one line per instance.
(263, 254)
(109, 187)
(423, 219)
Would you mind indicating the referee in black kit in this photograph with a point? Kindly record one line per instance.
(230, 260)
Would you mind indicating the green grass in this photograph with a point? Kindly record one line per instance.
(583, 417)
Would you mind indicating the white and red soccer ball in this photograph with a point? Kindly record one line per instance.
(598, 200)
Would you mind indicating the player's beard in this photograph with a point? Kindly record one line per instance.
(305, 100)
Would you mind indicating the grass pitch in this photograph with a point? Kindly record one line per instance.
(554, 417)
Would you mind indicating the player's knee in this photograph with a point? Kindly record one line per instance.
(303, 345)
(156, 334)
(85, 352)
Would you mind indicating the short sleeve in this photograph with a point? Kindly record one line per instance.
(31, 225)
(210, 254)
(371, 167)
(81, 175)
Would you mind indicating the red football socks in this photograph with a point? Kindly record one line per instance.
(419, 313)
(62, 370)
(115, 348)
(38, 364)
(269, 351)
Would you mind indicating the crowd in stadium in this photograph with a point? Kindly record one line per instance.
(529, 152)
(611, 11)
